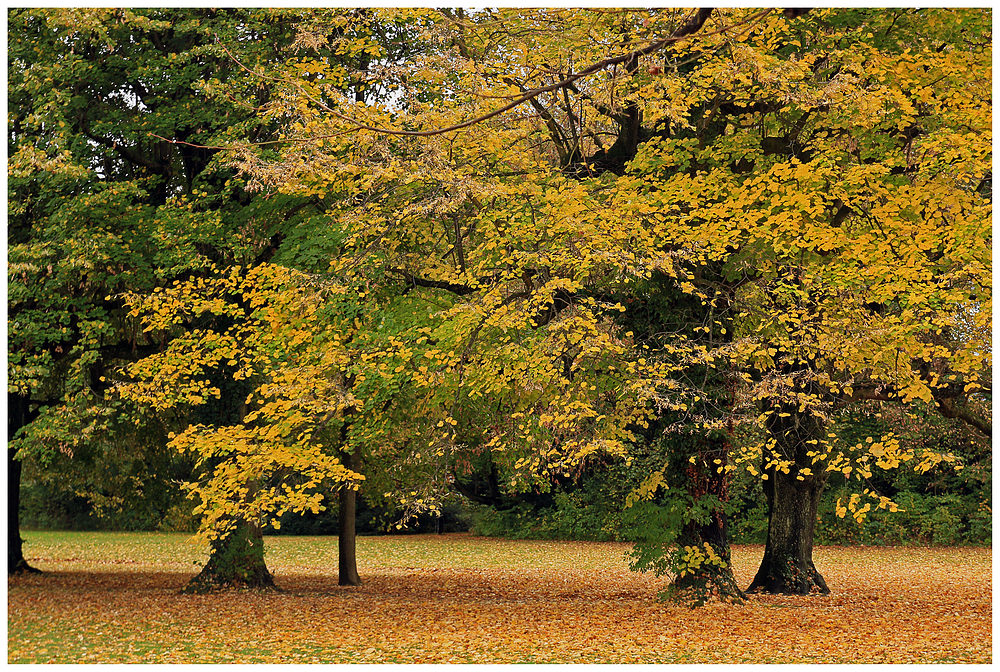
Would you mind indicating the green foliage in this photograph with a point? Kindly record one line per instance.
(571, 517)
(373, 519)
(103, 203)
(922, 519)
(769, 219)
(945, 503)
(942, 506)
(159, 507)
(589, 506)
(700, 571)
(42, 509)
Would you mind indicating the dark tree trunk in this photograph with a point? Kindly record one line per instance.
(792, 501)
(19, 415)
(704, 467)
(236, 561)
(787, 566)
(347, 560)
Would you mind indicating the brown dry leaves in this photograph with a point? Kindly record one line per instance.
(454, 598)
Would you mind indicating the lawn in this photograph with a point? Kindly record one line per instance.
(113, 598)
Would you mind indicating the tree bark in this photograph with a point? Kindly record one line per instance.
(236, 561)
(705, 477)
(19, 415)
(792, 502)
(787, 566)
(347, 563)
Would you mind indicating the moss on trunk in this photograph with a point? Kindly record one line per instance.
(236, 561)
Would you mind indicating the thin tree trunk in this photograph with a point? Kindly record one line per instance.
(19, 415)
(347, 556)
(347, 562)
(235, 561)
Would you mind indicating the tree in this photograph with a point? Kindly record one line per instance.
(312, 418)
(776, 174)
(289, 385)
(100, 204)
(526, 335)
(19, 414)
(855, 257)
(729, 178)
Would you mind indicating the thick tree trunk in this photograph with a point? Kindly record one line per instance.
(19, 415)
(236, 561)
(710, 581)
(347, 561)
(706, 477)
(792, 499)
(787, 566)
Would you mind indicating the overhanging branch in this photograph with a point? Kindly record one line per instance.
(690, 27)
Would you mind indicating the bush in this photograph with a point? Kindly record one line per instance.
(46, 508)
(922, 519)
(589, 509)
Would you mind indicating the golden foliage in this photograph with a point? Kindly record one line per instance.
(279, 455)
(816, 183)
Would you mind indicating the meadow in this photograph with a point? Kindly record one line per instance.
(114, 598)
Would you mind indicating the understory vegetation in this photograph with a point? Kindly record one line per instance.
(934, 509)
(944, 506)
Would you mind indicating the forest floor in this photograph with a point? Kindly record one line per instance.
(113, 598)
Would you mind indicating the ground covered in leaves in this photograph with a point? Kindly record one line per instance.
(113, 598)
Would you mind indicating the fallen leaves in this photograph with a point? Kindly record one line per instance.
(454, 598)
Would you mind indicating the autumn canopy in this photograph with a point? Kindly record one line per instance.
(404, 253)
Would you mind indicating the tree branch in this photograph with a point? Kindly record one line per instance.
(454, 288)
(949, 409)
(690, 27)
(947, 398)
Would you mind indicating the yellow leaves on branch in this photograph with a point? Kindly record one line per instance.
(694, 559)
(247, 475)
(647, 489)
(860, 511)
(840, 204)
(259, 325)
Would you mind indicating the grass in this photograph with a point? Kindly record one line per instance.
(113, 598)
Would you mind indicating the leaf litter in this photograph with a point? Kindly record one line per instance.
(113, 598)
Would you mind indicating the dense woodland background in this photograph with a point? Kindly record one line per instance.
(565, 274)
(944, 508)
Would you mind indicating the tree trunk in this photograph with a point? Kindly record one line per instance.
(787, 567)
(236, 561)
(706, 478)
(792, 500)
(19, 415)
(347, 562)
